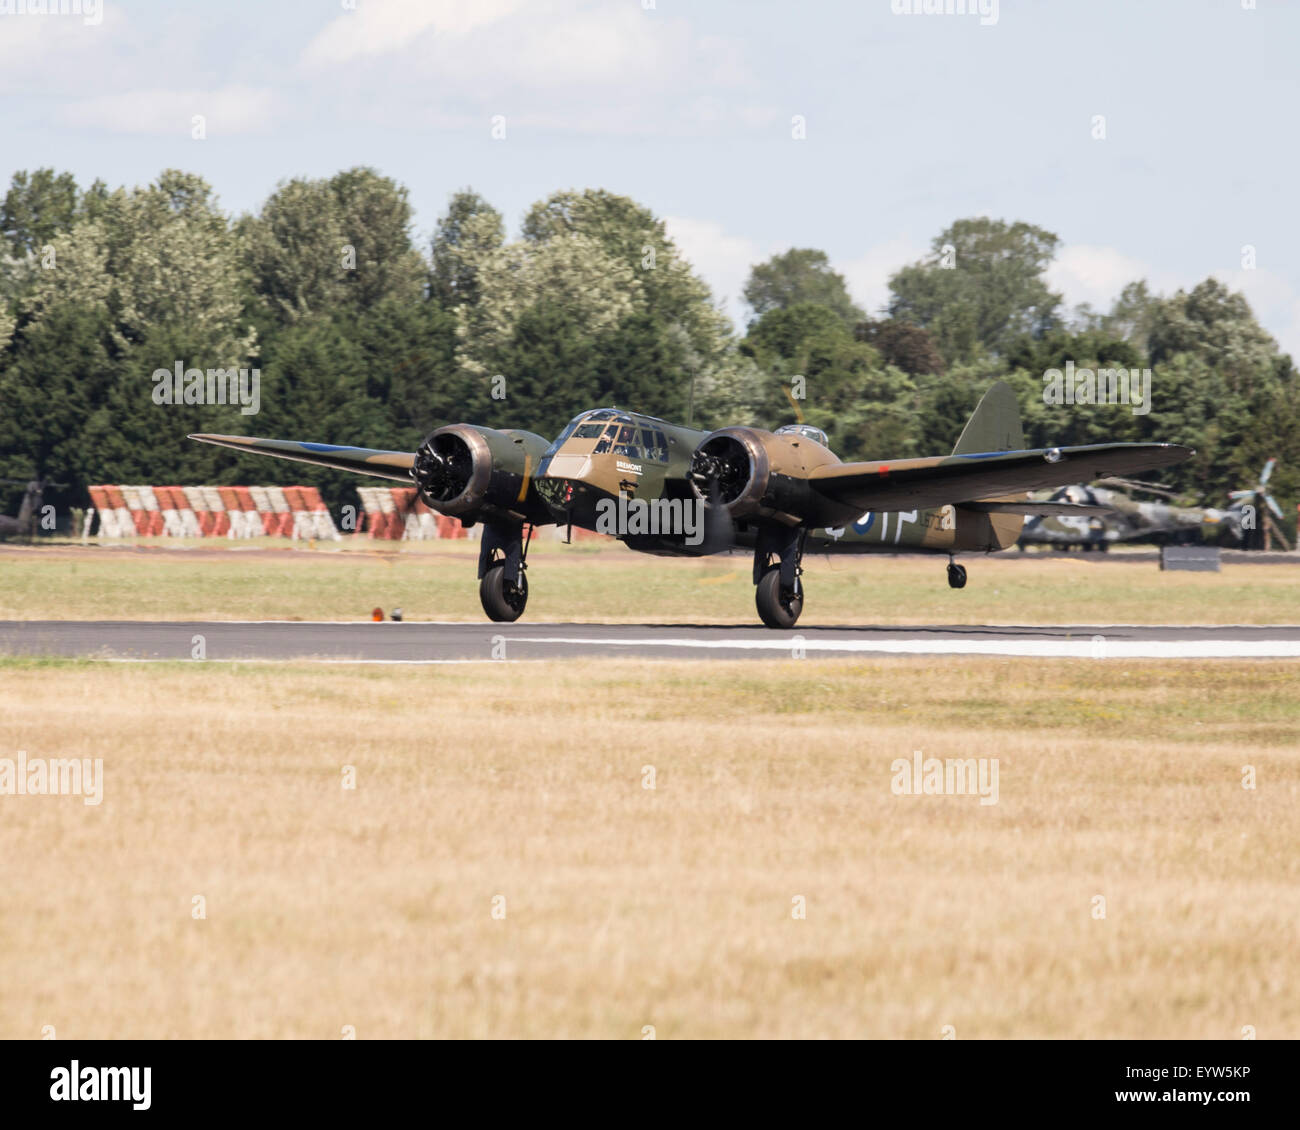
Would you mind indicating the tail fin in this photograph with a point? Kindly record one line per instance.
(994, 425)
(31, 501)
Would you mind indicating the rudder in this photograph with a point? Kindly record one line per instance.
(994, 425)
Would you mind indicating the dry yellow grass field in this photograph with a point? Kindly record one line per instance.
(627, 907)
(436, 581)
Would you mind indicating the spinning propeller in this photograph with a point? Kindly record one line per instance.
(1259, 493)
(711, 476)
(442, 469)
(1262, 501)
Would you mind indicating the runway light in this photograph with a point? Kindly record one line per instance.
(396, 614)
(377, 615)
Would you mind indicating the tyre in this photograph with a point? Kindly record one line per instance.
(778, 607)
(957, 576)
(501, 600)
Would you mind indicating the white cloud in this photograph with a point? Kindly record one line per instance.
(381, 27)
(1287, 329)
(721, 259)
(867, 276)
(1081, 272)
(1274, 300)
(37, 52)
(569, 65)
(1095, 275)
(226, 111)
(724, 259)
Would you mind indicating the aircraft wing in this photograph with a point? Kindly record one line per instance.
(904, 484)
(363, 460)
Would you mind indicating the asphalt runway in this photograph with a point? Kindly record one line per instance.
(423, 642)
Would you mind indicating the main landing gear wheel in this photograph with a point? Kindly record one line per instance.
(501, 600)
(778, 607)
(956, 575)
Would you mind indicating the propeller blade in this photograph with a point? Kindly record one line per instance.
(705, 475)
(719, 529)
(1272, 505)
(1268, 471)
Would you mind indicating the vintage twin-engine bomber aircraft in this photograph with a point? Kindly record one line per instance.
(778, 493)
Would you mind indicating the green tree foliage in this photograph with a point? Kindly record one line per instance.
(980, 289)
(161, 255)
(1216, 325)
(668, 290)
(572, 272)
(361, 338)
(1218, 384)
(815, 370)
(409, 351)
(782, 332)
(469, 231)
(1131, 314)
(324, 245)
(944, 402)
(629, 321)
(37, 206)
(902, 344)
(136, 280)
(800, 275)
(1092, 347)
(49, 392)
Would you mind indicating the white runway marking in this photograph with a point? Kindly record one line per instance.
(1046, 649)
(428, 644)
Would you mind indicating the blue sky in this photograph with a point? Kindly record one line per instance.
(912, 120)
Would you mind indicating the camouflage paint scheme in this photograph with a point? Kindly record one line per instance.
(974, 500)
(1126, 519)
(780, 492)
(363, 460)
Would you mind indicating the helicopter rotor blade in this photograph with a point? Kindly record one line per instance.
(1135, 484)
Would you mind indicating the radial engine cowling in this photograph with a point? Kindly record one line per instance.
(477, 473)
(757, 474)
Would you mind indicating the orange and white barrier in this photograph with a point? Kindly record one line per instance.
(194, 512)
(114, 516)
(387, 514)
(397, 514)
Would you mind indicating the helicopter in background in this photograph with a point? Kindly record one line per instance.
(1249, 522)
(25, 524)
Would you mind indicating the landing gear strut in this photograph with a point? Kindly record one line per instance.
(956, 575)
(778, 591)
(502, 559)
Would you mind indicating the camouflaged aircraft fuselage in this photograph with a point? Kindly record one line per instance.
(607, 452)
(781, 492)
(1129, 520)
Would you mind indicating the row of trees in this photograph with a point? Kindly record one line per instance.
(979, 308)
(362, 336)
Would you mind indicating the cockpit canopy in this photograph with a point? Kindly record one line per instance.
(618, 433)
(807, 431)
